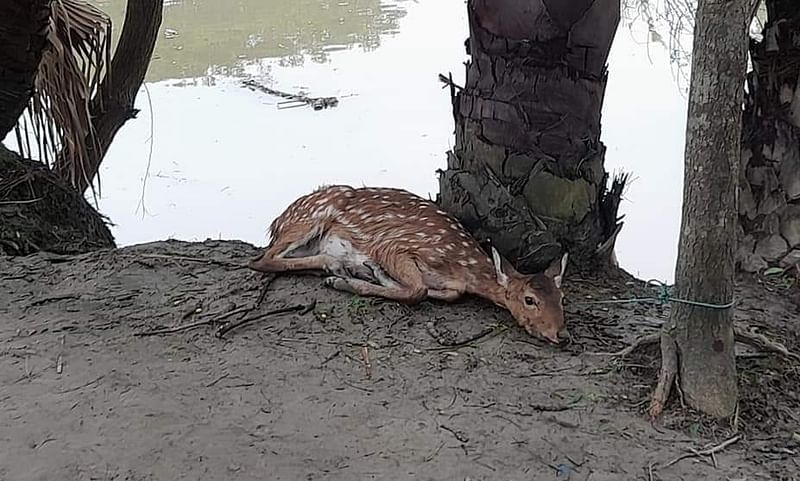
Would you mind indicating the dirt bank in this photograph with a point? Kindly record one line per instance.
(39, 212)
(291, 397)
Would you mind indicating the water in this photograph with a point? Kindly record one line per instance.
(224, 160)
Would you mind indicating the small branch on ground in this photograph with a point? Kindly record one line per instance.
(365, 358)
(267, 279)
(470, 341)
(639, 343)
(191, 259)
(301, 308)
(706, 452)
(551, 408)
(193, 325)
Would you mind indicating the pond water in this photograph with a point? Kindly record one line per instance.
(208, 158)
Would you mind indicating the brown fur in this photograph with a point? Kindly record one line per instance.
(391, 243)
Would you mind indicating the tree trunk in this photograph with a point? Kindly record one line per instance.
(23, 35)
(701, 338)
(769, 203)
(113, 105)
(526, 172)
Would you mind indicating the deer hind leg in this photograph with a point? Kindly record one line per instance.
(296, 251)
(402, 282)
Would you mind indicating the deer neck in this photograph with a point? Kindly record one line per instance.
(492, 290)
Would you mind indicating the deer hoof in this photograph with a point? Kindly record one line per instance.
(335, 282)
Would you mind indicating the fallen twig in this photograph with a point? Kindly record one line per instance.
(458, 434)
(638, 343)
(189, 259)
(705, 452)
(268, 279)
(193, 325)
(365, 357)
(301, 308)
(330, 358)
(17, 202)
(56, 298)
(89, 383)
(550, 407)
(215, 381)
(446, 346)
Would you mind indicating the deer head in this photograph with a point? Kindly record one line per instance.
(534, 300)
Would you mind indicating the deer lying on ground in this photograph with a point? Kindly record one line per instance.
(393, 244)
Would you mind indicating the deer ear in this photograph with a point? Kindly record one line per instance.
(556, 270)
(502, 277)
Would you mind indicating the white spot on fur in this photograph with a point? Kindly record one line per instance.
(327, 211)
(463, 263)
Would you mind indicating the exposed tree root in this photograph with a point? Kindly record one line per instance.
(669, 360)
(759, 341)
(666, 376)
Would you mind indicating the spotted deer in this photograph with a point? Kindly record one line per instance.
(393, 244)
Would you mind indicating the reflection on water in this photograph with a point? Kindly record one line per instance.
(200, 37)
(226, 160)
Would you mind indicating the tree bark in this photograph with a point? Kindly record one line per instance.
(23, 34)
(113, 105)
(526, 172)
(769, 203)
(703, 337)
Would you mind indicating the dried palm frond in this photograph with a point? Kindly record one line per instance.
(73, 65)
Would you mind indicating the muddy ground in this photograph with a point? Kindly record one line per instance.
(291, 397)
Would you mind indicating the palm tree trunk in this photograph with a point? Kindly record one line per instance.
(526, 172)
(23, 34)
(769, 202)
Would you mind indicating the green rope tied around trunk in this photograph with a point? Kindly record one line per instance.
(664, 296)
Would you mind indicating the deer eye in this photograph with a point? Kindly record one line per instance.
(530, 301)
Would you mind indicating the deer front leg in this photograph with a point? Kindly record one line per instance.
(447, 295)
(282, 264)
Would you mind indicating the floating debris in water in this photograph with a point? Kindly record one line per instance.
(295, 100)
